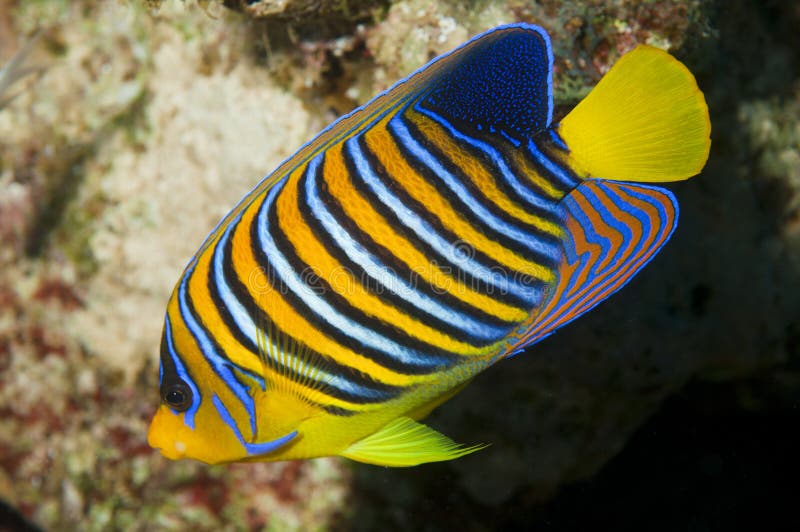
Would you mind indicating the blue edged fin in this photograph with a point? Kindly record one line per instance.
(500, 81)
(612, 230)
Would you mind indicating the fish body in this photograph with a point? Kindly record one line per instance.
(445, 225)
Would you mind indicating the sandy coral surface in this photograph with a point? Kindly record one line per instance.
(142, 123)
(164, 125)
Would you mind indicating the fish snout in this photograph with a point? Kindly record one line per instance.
(161, 438)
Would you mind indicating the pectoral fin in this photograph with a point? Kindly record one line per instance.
(404, 442)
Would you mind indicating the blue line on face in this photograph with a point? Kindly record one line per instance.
(183, 374)
(221, 366)
(253, 449)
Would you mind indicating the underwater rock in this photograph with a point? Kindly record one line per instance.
(719, 304)
(174, 135)
(302, 9)
(300, 12)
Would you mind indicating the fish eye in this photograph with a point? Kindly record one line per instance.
(178, 396)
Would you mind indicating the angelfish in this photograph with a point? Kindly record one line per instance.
(444, 226)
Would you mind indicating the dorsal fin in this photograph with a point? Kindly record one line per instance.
(613, 230)
(499, 81)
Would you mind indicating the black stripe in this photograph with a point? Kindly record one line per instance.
(547, 146)
(502, 146)
(322, 288)
(457, 170)
(396, 266)
(169, 373)
(311, 316)
(460, 206)
(480, 257)
(242, 294)
(211, 338)
(213, 290)
(323, 388)
(382, 392)
(387, 257)
(335, 410)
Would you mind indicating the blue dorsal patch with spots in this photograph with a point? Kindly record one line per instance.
(501, 83)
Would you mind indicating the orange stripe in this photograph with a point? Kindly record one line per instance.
(370, 221)
(601, 287)
(344, 283)
(383, 146)
(481, 177)
(202, 373)
(285, 317)
(648, 244)
(210, 317)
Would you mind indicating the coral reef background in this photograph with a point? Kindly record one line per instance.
(137, 125)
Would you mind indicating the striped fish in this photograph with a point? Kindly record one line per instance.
(445, 225)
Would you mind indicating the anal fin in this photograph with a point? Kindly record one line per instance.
(404, 442)
(613, 230)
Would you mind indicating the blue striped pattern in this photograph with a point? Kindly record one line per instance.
(615, 230)
(449, 250)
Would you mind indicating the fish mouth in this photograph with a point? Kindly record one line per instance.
(157, 439)
(173, 452)
(176, 449)
(175, 440)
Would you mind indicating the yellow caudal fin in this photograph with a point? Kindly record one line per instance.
(645, 121)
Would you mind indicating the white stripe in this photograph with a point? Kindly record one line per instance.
(240, 315)
(246, 325)
(497, 159)
(385, 276)
(529, 240)
(426, 233)
(322, 308)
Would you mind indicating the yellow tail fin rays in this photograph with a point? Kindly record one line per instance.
(646, 120)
